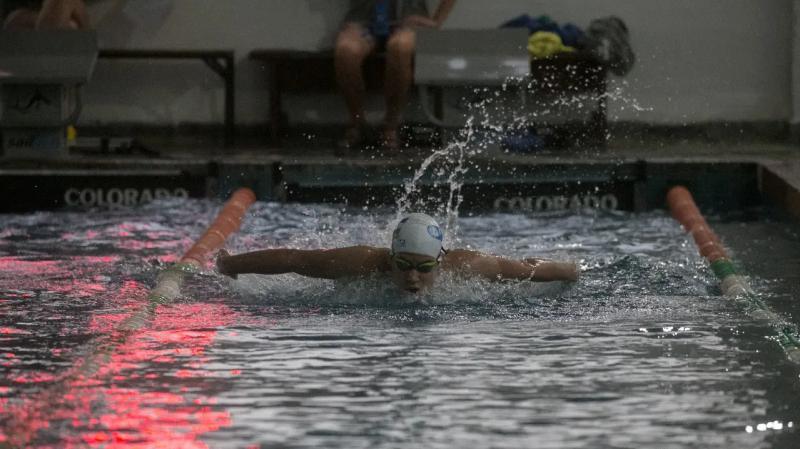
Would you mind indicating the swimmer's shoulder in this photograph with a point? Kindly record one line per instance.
(454, 259)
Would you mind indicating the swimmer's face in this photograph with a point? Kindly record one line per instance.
(414, 273)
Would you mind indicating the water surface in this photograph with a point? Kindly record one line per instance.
(641, 352)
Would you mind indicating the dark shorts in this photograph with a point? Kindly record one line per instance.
(366, 33)
(363, 11)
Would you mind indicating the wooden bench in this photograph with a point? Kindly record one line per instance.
(313, 71)
(220, 61)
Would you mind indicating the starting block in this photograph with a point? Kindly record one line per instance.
(489, 57)
(41, 73)
(493, 59)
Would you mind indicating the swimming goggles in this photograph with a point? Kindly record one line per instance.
(422, 267)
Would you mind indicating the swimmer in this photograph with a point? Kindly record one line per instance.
(413, 262)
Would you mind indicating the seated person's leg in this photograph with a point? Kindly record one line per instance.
(21, 19)
(399, 77)
(353, 44)
(63, 14)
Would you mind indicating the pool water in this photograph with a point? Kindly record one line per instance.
(641, 352)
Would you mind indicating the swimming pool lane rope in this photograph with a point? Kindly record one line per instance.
(168, 286)
(733, 284)
(170, 280)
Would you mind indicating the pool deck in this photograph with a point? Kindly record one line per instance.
(637, 171)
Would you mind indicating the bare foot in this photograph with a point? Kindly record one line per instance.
(353, 139)
(391, 139)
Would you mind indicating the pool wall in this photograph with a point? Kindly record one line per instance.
(489, 184)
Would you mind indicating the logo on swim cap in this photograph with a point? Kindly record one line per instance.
(418, 234)
(435, 232)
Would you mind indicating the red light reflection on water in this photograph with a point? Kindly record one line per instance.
(168, 259)
(132, 236)
(31, 267)
(87, 236)
(154, 419)
(106, 415)
(178, 336)
(97, 259)
(142, 244)
(65, 276)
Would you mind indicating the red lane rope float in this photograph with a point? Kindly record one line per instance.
(167, 288)
(685, 210)
(733, 284)
(170, 280)
(227, 222)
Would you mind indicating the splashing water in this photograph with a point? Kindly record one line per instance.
(451, 171)
(489, 117)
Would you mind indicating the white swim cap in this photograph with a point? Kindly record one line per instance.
(417, 234)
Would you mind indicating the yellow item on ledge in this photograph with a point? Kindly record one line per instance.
(543, 44)
(72, 135)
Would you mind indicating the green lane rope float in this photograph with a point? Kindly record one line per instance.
(732, 283)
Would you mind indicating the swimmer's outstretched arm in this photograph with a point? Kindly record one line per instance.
(336, 263)
(498, 268)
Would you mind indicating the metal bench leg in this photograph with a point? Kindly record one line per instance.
(601, 118)
(275, 103)
(227, 71)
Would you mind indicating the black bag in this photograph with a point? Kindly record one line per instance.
(609, 42)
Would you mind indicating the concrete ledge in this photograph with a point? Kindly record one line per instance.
(780, 183)
(513, 183)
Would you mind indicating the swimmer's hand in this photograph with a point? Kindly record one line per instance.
(223, 266)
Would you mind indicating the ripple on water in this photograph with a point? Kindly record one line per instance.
(641, 352)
